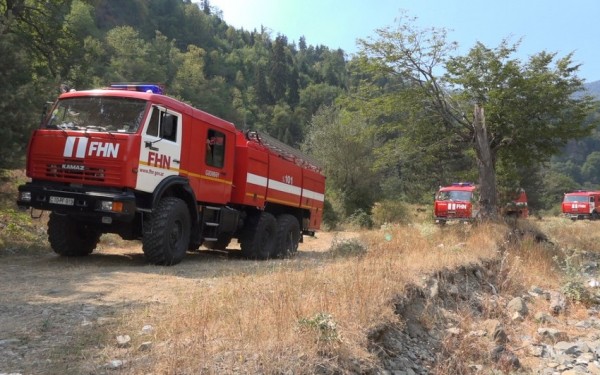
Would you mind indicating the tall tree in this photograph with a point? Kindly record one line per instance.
(343, 143)
(38, 28)
(496, 104)
(278, 69)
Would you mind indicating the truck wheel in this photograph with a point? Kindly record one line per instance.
(167, 232)
(288, 236)
(258, 240)
(70, 238)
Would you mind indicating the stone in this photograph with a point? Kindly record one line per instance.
(147, 329)
(558, 303)
(517, 305)
(551, 335)
(123, 341)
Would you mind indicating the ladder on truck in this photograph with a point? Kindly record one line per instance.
(284, 150)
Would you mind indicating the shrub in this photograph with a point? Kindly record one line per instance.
(323, 325)
(361, 219)
(390, 211)
(347, 248)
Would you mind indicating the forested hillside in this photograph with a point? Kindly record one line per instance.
(373, 123)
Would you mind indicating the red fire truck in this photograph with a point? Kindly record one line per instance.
(516, 206)
(581, 204)
(458, 202)
(129, 160)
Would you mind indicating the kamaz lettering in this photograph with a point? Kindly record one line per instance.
(78, 147)
(73, 167)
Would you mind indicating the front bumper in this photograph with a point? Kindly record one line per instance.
(578, 216)
(87, 203)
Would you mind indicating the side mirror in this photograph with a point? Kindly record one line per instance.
(47, 106)
(168, 127)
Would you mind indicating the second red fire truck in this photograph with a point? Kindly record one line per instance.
(457, 202)
(460, 202)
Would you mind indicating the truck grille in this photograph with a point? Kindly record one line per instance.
(76, 172)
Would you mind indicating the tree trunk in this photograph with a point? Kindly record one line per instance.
(485, 164)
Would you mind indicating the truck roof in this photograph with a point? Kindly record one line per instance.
(583, 192)
(156, 99)
(459, 186)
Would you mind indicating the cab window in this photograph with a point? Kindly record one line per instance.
(215, 149)
(163, 125)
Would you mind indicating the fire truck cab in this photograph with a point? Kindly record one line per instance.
(457, 202)
(581, 204)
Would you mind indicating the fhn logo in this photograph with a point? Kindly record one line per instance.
(80, 147)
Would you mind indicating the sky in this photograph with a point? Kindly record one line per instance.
(542, 25)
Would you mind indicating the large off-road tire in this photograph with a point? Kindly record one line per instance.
(287, 237)
(167, 232)
(258, 238)
(70, 238)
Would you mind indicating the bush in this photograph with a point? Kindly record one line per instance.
(361, 219)
(347, 248)
(330, 216)
(323, 325)
(390, 211)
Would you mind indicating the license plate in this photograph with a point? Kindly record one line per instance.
(62, 200)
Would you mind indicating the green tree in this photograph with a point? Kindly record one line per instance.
(278, 68)
(38, 28)
(488, 100)
(591, 168)
(130, 60)
(343, 143)
(555, 185)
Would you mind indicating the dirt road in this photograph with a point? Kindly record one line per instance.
(45, 299)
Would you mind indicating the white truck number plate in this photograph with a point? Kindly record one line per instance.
(62, 200)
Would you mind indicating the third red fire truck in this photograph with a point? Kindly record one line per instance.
(581, 204)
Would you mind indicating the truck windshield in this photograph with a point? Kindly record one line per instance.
(95, 113)
(454, 195)
(575, 198)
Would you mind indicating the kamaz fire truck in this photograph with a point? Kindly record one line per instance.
(457, 202)
(460, 202)
(581, 204)
(129, 160)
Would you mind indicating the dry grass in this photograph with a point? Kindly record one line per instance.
(296, 320)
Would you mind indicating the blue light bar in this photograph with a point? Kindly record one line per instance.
(156, 89)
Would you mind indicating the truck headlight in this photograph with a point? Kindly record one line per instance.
(25, 196)
(111, 206)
